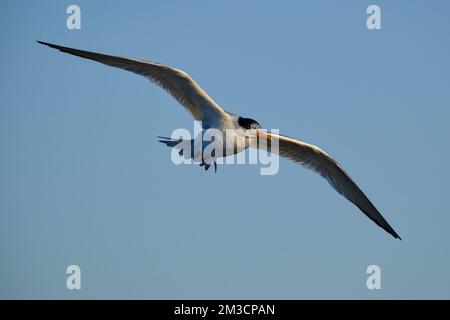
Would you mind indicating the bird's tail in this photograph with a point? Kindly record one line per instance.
(183, 146)
(169, 142)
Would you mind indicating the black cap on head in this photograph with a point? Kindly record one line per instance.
(248, 123)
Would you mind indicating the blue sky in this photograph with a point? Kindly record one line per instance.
(83, 179)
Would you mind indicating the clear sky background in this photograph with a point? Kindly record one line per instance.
(83, 179)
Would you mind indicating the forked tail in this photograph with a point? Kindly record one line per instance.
(179, 144)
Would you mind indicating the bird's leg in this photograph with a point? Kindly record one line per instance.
(207, 165)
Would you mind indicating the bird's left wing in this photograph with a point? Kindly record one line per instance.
(176, 82)
(314, 158)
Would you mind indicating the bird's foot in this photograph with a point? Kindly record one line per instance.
(207, 165)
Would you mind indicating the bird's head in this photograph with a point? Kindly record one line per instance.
(248, 124)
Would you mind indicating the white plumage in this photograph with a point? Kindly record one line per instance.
(246, 131)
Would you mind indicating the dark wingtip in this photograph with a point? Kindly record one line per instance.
(394, 234)
(44, 43)
(51, 45)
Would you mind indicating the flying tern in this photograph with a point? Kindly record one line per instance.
(246, 130)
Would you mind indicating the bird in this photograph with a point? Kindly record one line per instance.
(247, 132)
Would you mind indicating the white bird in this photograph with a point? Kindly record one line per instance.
(189, 94)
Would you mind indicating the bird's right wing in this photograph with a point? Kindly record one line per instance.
(314, 158)
(176, 82)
